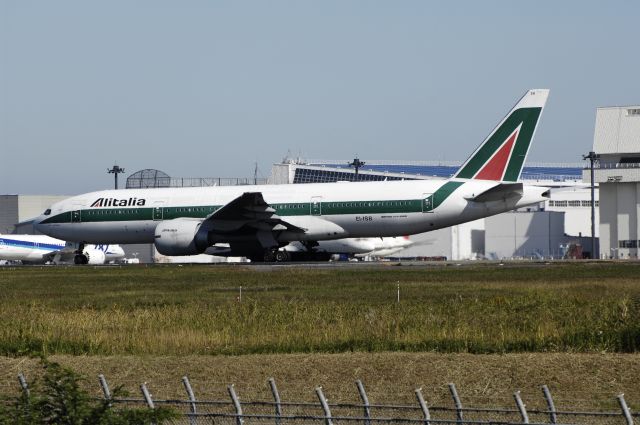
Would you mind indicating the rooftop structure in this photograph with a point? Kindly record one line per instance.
(319, 171)
(151, 178)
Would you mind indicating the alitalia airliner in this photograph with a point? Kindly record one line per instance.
(257, 220)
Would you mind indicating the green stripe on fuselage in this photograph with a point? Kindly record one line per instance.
(444, 192)
(328, 208)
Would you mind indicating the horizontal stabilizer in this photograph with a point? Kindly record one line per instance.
(499, 192)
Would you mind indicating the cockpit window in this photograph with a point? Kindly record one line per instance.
(48, 211)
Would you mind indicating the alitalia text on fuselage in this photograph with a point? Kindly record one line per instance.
(114, 202)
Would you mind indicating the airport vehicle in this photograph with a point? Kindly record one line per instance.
(257, 220)
(44, 249)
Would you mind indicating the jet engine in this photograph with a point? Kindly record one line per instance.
(94, 256)
(181, 236)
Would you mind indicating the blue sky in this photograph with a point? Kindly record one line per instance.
(206, 88)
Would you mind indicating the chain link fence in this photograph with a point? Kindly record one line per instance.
(234, 412)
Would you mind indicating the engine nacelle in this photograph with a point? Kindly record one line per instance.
(94, 256)
(181, 236)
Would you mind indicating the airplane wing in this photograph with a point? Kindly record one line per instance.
(499, 192)
(248, 210)
(248, 214)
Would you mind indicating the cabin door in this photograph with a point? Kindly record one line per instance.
(316, 205)
(427, 202)
(158, 212)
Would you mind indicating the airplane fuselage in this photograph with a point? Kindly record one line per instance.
(28, 248)
(325, 210)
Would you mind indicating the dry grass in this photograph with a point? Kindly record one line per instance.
(586, 381)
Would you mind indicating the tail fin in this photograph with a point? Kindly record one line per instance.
(502, 154)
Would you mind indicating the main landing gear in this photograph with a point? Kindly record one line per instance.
(80, 258)
(271, 255)
(275, 255)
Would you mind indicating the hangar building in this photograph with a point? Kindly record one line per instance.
(17, 210)
(616, 144)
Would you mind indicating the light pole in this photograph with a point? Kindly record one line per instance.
(115, 170)
(356, 164)
(592, 157)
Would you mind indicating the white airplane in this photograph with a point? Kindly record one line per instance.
(257, 220)
(44, 249)
(359, 247)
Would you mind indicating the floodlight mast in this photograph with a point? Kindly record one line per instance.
(115, 170)
(592, 157)
(356, 164)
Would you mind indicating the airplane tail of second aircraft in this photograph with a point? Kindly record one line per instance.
(502, 154)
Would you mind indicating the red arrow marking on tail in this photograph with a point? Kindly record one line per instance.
(494, 169)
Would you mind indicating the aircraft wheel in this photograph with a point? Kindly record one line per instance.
(321, 256)
(269, 256)
(282, 256)
(80, 259)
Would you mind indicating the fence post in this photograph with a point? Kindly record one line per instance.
(23, 384)
(325, 406)
(236, 404)
(365, 402)
(625, 409)
(552, 407)
(26, 393)
(147, 397)
(276, 398)
(456, 401)
(192, 398)
(521, 407)
(423, 406)
(105, 388)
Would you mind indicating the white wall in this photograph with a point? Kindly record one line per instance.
(19, 208)
(462, 242)
(577, 219)
(524, 234)
(616, 131)
(431, 244)
(619, 211)
(31, 206)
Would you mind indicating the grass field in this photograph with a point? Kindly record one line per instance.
(195, 310)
